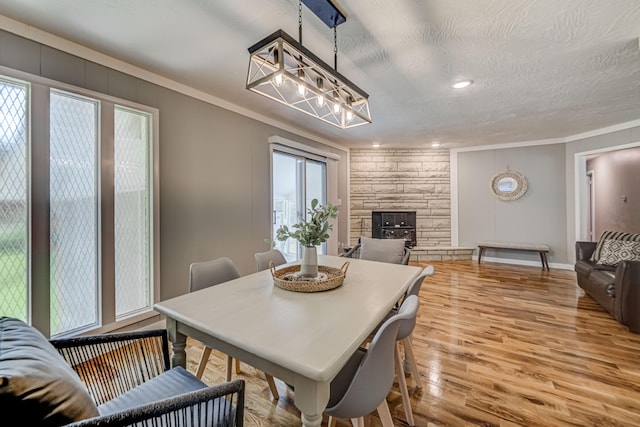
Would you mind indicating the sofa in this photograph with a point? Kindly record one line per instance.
(609, 272)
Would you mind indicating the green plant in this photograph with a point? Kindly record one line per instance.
(313, 231)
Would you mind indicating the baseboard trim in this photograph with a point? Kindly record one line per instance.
(511, 261)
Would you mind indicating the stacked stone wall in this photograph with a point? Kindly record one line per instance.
(402, 179)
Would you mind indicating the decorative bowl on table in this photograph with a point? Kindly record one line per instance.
(290, 279)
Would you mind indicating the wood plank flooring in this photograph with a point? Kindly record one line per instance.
(496, 345)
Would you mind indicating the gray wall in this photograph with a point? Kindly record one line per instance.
(576, 153)
(537, 217)
(617, 190)
(547, 213)
(214, 164)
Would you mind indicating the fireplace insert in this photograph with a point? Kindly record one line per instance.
(394, 225)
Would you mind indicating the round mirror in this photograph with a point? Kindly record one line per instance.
(509, 185)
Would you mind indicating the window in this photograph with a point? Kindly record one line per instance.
(99, 237)
(13, 199)
(132, 216)
(73, 222)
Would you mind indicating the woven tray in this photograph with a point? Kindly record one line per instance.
(288, 278)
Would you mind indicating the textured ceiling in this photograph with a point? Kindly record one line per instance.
(542, 68)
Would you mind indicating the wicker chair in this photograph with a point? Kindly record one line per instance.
(128, 376)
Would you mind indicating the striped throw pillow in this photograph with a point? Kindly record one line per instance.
(613, 235)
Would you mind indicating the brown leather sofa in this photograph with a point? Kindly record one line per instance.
(616, 289)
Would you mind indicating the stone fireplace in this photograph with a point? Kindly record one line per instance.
(405, 180)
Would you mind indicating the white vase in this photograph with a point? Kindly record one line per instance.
(309, 262)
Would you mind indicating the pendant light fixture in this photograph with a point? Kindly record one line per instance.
(282, 69)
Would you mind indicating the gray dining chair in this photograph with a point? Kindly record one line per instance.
(366, 379)
(405, 332)
(273, 255)
(385, 250)
(210, 273)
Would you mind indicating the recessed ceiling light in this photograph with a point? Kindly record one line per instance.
(462, 84)
(375, 145)
(435, 144)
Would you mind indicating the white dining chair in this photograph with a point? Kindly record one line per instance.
(366, 379)
(210, 273)
(392, 251)
(273, 255)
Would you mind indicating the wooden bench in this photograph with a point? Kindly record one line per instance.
(530, 247)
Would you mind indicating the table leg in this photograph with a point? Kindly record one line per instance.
(311, 398)
(480, 250)
(178, 344)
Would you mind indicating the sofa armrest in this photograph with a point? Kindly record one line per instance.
(584, 250)
(627, 284)
(220, 405)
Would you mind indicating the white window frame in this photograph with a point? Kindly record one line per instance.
(38, 305)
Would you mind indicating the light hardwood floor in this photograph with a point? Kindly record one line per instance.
(496, 345)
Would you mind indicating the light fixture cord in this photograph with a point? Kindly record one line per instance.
(300, 21)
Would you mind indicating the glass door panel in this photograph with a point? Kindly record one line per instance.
(316, 188)
(296, 181)
(286, 199)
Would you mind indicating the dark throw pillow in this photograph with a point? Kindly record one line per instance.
(36, 383)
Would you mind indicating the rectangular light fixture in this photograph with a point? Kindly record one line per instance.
(282, 69)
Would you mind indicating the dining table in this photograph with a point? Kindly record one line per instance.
(301, 338)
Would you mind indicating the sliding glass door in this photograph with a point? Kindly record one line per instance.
(297, 180)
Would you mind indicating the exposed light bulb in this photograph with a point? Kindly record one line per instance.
(349, 115)
(349, 112)
(320, 98)
(336, 102)
(277, 79)
(301, 89)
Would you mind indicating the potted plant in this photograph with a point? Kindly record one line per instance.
(310, 233)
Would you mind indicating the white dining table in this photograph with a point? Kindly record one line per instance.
(304, 339)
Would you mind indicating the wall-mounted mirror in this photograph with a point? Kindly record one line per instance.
(509, 185)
